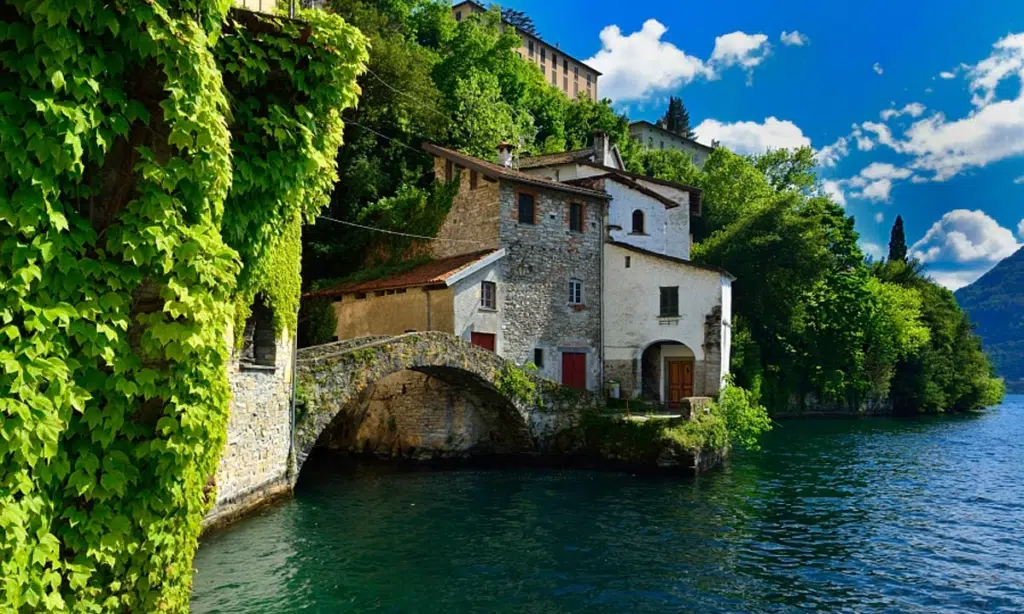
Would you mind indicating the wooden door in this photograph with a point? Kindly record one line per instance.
(574, 370)
(680, 381)
(488, 341)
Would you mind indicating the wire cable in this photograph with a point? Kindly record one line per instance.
(396, 233)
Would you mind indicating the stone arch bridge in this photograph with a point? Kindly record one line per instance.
(335, 375)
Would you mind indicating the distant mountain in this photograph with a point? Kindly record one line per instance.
(996, 305)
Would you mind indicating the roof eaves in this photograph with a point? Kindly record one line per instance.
(496, 172)
(704, 267)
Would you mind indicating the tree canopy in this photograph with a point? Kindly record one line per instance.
(677, 118)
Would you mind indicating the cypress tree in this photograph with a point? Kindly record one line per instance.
(677, 118)
(898, 241)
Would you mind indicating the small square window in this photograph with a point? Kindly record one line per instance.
(669, 301)
(488, 295)
(526, 208)
(628, 262)
(538, 357)
(575, 292)
(576, 217)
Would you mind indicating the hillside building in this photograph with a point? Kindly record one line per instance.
(568, 74)
(654, 136)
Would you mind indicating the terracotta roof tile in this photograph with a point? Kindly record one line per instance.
(495, 171)
(564, 157)
(429, 274)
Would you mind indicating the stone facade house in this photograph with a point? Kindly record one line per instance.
(571, 263)
(570, 75)
(517, 270)
(666, 330)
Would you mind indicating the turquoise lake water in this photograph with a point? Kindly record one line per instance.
(871, 515)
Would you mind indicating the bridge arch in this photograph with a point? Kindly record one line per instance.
(335, 376)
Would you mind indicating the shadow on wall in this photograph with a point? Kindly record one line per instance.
(420, 416)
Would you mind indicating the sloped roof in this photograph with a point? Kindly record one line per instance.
(646, 252)
(696, 194)
(495, 171)
(429, 274)
(554, 159)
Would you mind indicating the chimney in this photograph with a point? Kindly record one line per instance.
(505, 155)
(602, 149)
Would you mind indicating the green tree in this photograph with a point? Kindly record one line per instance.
(153, 174)
(677, 118)
(520, 20)
(898, 241)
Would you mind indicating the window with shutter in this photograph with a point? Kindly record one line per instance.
(669, 301)
(576, 217)
(526, 208)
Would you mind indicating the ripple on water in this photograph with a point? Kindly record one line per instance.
(833, 516)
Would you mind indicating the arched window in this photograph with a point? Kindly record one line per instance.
(638, 222)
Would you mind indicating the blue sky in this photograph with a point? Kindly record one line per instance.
(914, 110)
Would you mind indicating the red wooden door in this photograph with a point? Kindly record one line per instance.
(574, 370)
(680, 381)
(484, 340)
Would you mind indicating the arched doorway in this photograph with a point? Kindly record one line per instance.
(667, 373)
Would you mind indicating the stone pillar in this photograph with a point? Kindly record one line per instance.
(712, 363)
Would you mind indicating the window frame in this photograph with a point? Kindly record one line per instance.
(575, 292)
(488, 290)
(642, 225)
(666, 296)
(519, 207)
(580, 225)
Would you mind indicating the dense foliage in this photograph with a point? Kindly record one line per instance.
(996, 306)
(431, 79)
(816, 326)
(150, 180)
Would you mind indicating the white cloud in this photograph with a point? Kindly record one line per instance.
(875, 181)
(874, 250)
(947, 74)
(1019, 180)
(877, 190)
(740, 49)
(877, 68)
(954, 280)
(834, 190)
(830, 155)
(879, 217)
(882, 133)
(884, 170)
(1006, 61)
(794, 38)
(914, 109)
(637, 65)
(752, 137)
(965, 236)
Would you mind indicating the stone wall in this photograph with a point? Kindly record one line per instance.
(473, 216)
(255, 464)
(541, 259)
(415, 416)
(338, 383)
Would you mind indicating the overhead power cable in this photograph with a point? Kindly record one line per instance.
(396, 233)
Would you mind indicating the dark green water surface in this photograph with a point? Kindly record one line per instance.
(872, 515)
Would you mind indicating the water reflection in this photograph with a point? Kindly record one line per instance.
(858, 516)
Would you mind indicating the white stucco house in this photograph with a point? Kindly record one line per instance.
(666, 331)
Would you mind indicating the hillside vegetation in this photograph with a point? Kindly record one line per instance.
(996, 306)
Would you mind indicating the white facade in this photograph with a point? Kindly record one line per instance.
(664, 229)
(654, 137)
(633, 322)
(470, 314)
